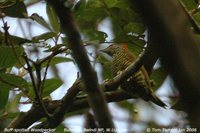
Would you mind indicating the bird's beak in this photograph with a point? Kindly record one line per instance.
(105, 50)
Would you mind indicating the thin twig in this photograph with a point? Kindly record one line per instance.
(38, 74)
(45, 75)
(29, 69)
(54, 53)
(37, 95)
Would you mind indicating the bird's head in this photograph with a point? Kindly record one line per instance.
(113, 49)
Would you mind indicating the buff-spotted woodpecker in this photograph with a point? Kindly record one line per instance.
(139, 84)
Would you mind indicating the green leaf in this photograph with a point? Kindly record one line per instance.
(15, 40)
(137, 47)
(111, 3)
(159, 75)
(79, 6)
(11, 115)
(12, 106)
(122, 4)
(17, 9)
(128, 106)
(133, 27)
(12, 81)
(57, 60)
(44, 36)
(190, 4)
(51, 85)
(117, 3)
(94, 4)
(94, 35)
(62, 128)
(53, 18)
(8, 56)
(40, 20)
(197, 17)
(4, 93)
(92, 14)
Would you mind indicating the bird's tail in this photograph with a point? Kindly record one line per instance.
(153, 98)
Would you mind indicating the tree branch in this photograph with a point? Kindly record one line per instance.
(65, 104)
(24, 120)
(178, 49)
(95, 96)
(35, 87)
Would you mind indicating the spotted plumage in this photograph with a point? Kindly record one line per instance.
(138, 84)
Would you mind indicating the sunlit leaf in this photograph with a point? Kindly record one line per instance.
(44, 36)
(53, 18)
(96, 35)
(40, 20)
(190, 4)
(133, 27)
(51, 85)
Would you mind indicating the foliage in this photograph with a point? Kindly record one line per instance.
(17, 58)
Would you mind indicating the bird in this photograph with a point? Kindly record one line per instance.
(137, 85)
